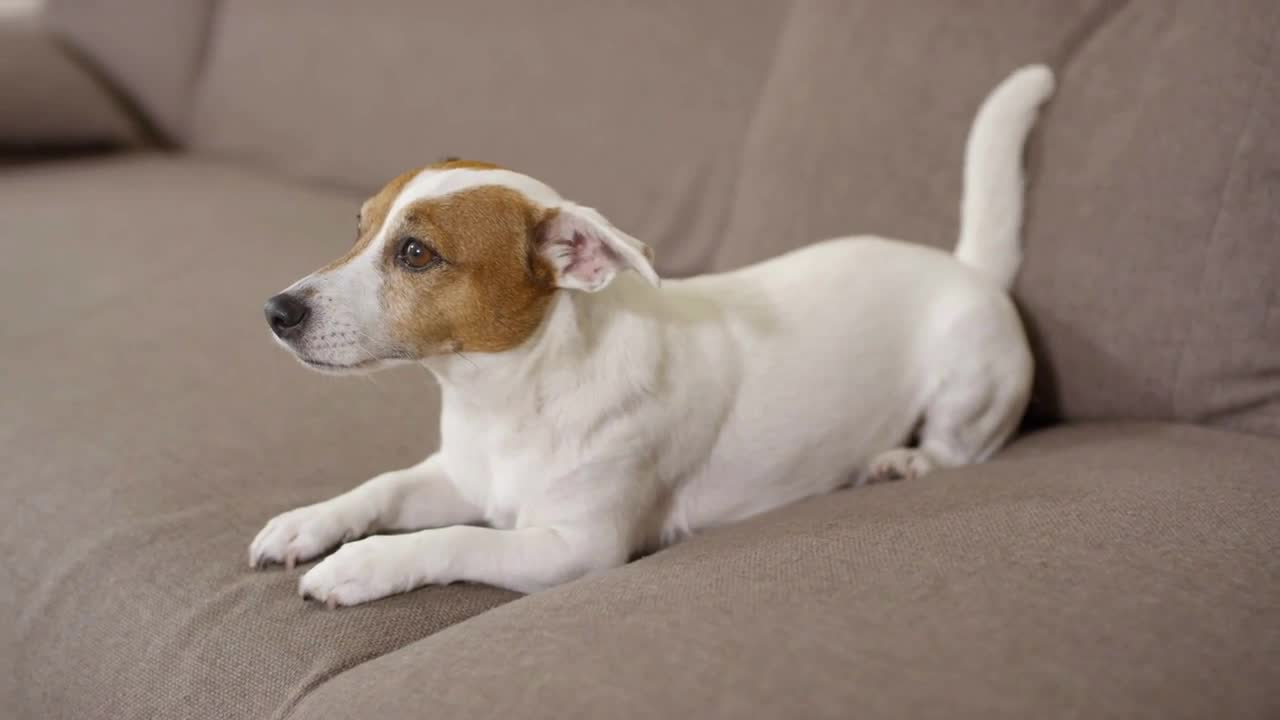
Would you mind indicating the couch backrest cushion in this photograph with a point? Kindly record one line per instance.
(1152, 276)
(727, 132)
(638, 109)
(150, 50)
(49, 100)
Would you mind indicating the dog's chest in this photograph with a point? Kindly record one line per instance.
(508, 489)
(499, 467)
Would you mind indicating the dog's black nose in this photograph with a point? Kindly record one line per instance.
(285, 314)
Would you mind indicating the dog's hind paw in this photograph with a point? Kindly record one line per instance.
(898, 464)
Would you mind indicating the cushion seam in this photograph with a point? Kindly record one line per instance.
(726, 222)
(1177, 393)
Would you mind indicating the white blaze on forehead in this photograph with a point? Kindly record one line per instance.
(434, 183)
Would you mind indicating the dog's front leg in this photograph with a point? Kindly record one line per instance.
(410, 499)
(524, 560)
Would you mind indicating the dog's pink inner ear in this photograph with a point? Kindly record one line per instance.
(586, 252)
(591, 262)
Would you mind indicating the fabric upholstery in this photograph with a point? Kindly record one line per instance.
(724, 134)
(151, 50)
(637, 109)
(48, 99)
(1104, 571)
(1151, 262)
(150, 427)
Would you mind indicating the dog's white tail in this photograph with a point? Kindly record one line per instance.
(991, 212)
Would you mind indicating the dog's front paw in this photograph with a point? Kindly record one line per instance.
(359, 572)
(899, 464)
(300, 535)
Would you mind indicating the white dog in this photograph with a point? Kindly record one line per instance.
(590, 414)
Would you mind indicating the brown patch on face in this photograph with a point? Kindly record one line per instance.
(491, 288)
(374, 211)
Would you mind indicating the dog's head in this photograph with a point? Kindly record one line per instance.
(454, 257)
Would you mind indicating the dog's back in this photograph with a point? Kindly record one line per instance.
(846, 346)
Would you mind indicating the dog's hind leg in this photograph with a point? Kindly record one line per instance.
(963, 425)
(976, 408)
(966, 425)
(969, 415)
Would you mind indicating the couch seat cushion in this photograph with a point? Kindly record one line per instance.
(1103, 571)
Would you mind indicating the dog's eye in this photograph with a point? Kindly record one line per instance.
(415, 255)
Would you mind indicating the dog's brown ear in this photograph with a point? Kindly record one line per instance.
(586, 251)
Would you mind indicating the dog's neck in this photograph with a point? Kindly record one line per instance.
(553, 359)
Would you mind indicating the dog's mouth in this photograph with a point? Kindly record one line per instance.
(361, 362)
(339, 368)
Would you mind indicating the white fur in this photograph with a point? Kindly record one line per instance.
(637, 415)
(992, 207)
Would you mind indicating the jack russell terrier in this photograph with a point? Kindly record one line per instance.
(590, 414)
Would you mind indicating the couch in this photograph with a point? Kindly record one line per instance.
(166, 165)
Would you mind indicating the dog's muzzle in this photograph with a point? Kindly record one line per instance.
(287, 315)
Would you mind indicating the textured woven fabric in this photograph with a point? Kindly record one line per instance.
(149, 428)
(637, 109)
(724, 133)
(150, 50)
(1152, 256)
(1106, 571)
(47, 99)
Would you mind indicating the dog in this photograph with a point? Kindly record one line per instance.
(591, 413)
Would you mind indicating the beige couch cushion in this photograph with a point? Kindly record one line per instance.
(1106, 571)
(757, 127)
(1152, 261)
(149, 427)
(47, 99)
(150, 50)
(638, 109)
